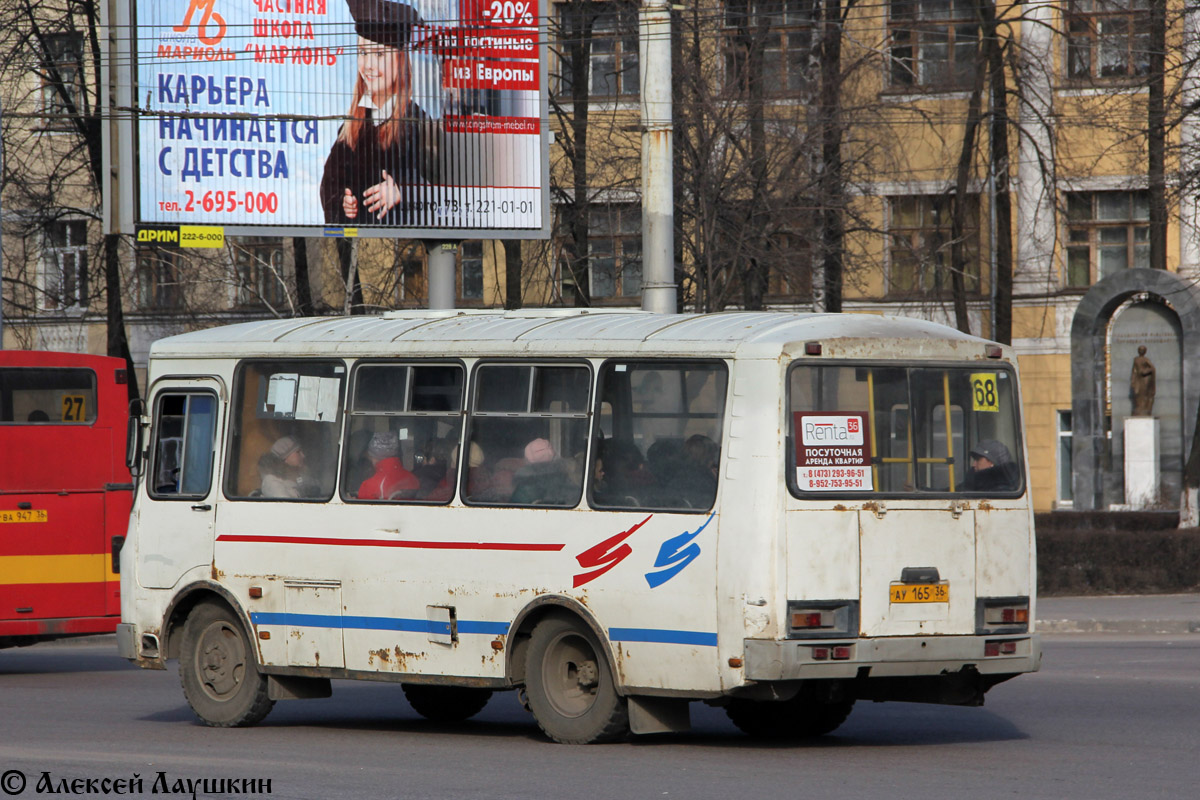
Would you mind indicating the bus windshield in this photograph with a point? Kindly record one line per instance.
(904, 430)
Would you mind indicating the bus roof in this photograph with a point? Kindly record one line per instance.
(556, 332)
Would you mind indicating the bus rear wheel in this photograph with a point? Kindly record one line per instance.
(570, 686)
(446, 703)
(220, 678)
(801, 717)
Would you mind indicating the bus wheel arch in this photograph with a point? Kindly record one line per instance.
(521, 632)
(183, 604)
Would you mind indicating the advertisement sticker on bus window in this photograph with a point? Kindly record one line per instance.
(831, 452)
(984, 395)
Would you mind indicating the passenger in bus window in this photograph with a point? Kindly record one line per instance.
(434, 466)
(992, 468)
(283, 470)
(693, 481)
(543, 480)
(627, 479)
(37, 415)
(390, 481)
(479, 479)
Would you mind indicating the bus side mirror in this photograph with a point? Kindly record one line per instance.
(133, 439)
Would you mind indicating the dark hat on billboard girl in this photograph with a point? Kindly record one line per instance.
(384, 21)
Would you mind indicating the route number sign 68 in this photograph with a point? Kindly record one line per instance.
(984, 394)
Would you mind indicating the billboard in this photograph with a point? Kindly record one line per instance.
(421, 118)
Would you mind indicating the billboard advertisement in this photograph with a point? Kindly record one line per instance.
(413, 118)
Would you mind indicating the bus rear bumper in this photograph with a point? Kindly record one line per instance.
(771, 660)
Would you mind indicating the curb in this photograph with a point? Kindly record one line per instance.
(1133, 627)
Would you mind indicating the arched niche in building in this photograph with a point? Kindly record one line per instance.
(1170, 300)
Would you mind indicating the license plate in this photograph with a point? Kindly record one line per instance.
(921, 593)
(24, 515)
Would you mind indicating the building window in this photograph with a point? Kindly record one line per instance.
(1106, 232)
(613, 61)
(790, 264)
(920, 235)
(260, 280)
(158, 279)
(932, 43)
(1066, 493)
(62, 78)
(66, 284)
(615, 247)
(409, 268)
(1107, 38)
(782, 32)
(470, 268)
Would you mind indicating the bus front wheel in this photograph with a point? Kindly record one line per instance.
(570, 686)
(220, 678)
(446, 703)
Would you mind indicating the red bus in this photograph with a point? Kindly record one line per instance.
(65, 494)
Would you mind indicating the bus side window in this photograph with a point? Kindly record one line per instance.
(528, 434)
(285, 419)
(402, 433)
(662, 438)
(184, 439)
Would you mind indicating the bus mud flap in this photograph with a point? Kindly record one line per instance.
(659, 715)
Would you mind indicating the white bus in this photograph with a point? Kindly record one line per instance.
(615, 513)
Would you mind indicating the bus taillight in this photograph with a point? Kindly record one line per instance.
(1002, 615)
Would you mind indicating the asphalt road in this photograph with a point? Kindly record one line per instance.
(1107, 717)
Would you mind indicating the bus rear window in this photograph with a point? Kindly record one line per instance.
(903, 430)
(47, 395)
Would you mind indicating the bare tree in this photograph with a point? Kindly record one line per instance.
(50, 67)
(593, 88)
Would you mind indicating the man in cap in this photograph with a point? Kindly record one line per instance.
(992, 468)
(387, 149)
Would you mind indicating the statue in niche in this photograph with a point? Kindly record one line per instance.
(1141, 384)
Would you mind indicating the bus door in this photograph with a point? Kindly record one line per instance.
(919, 569)
(188, 415)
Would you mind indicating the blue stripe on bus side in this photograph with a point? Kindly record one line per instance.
(660, 636)
(465, 626)
(378, 623)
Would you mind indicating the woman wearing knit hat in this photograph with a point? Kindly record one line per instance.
(543, 480)
(387, 149)
(283, 469)
(391, 480)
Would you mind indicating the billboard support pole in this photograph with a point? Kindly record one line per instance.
(658, 192)
(443, 262)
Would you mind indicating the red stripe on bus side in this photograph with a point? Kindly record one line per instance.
(518, 546)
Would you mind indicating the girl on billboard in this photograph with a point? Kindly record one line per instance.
(386, 152)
